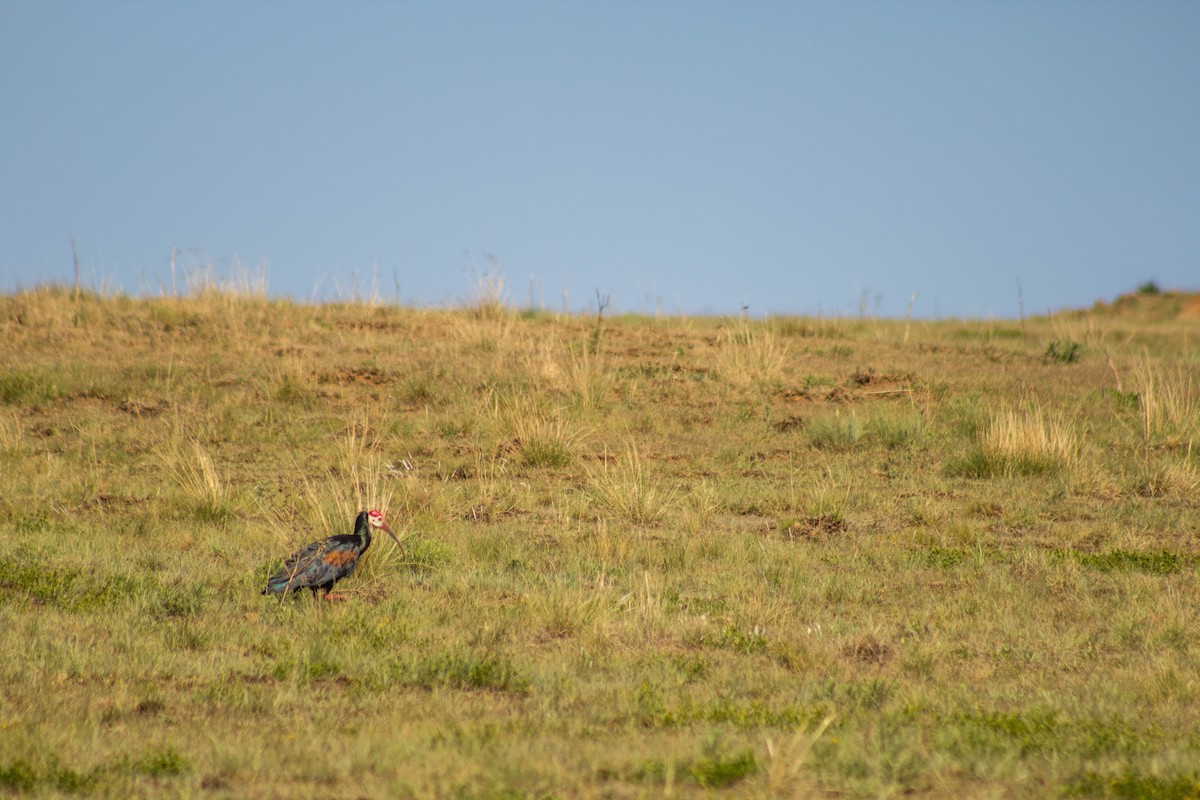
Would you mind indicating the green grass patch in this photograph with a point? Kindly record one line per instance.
(1148, 562)
(21, 777)
(25, 387)
(1063, 351)
(546, 453)
(64, 587)
(165, 763)
(896, 428)
(942, 557)
(714, 770)
(1134, 785)
(466, 670)
(836, 431)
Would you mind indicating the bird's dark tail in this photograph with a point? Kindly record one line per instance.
(276, 587)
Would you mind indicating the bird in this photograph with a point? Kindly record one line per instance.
(323, 563)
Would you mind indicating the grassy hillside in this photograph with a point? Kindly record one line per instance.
(642, 557)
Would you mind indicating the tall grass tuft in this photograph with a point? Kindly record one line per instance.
(567, 609)
(209, 497)
(747, 356)
(361, 481)
(487, 299)
(628, 490)
(587, 379)
(290, 384)
(546, 441)
(10, 433)
(204, 282)
(1027, 443)
(836, 431)
(1170, 405)
(573, 370)
(1178, 479)
(786, 759)
(493, 491)
(896, 428)
(545, 438)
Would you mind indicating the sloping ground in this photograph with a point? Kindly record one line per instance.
(1153, 306)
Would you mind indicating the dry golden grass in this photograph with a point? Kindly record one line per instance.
(751, 355)
(193, 469)
(1028, 441)
(624, 485)
(1169, 398)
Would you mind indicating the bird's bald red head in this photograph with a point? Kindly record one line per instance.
(377, 521)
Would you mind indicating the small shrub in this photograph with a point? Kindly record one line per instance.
(741, 640)
(1063, 351)
(18, 776)
(162, 763)
(546, 453)
(719, 770)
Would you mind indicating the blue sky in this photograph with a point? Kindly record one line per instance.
(799, 157)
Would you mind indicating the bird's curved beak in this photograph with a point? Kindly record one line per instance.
(385, 527)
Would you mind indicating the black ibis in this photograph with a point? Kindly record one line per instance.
(322, 564)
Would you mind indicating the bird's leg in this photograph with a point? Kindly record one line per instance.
(335, 598)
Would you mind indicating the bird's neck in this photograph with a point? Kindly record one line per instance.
(362, 530)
